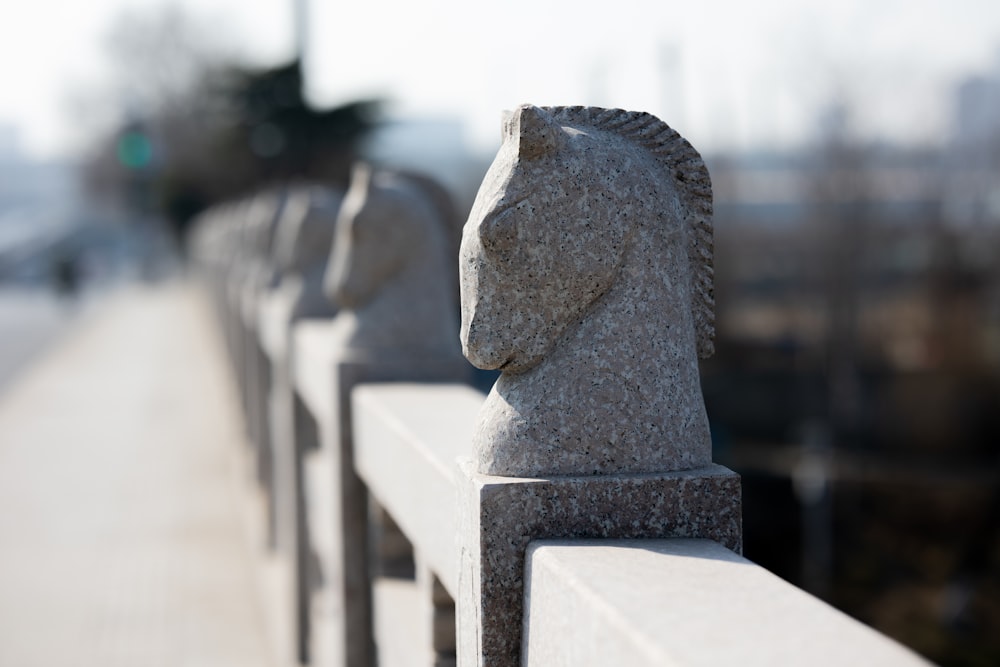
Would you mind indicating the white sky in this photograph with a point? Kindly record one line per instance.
(726, 73)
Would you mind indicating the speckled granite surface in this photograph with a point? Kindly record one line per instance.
(586, 277)
(499, 516)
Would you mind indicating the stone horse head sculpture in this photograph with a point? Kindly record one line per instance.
(586, 278)
(302, 247)
(263, 215)
(392, 269)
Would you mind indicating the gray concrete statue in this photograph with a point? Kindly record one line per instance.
(392, 271)
(392, 274)
(302, 247)
(586, 278)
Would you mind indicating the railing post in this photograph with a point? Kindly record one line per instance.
(438, 621)
(388, 273)
(586, 278)
(300, 252)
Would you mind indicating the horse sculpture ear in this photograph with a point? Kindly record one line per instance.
(361, 176)
(536, 130)
(506, 124)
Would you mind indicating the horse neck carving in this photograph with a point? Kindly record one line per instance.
(390, 271)
(586, 278)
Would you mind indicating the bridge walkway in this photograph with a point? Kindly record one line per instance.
(124, 531)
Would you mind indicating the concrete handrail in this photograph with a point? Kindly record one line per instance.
(599, 602)
(422, 429)
(681, 602)
(502, 547)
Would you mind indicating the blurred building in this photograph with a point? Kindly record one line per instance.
(972, 193)
(39, 203)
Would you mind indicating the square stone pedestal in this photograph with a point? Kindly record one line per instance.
(499, 516)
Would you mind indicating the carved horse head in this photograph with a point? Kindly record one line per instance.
(392, 266)
(570, 191)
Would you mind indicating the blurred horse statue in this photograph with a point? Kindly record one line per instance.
(393, 267)
(302, 248)
(586, 278)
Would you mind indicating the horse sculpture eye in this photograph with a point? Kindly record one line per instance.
(498, 230)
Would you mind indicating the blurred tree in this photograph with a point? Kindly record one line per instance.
(199, 128)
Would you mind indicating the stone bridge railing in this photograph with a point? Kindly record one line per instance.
(407, 532)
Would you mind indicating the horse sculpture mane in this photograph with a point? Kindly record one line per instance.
(586, 277)
(693, 183)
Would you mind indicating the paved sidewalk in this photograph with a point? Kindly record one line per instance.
(122, 535)
(31, 321)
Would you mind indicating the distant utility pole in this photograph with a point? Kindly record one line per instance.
(671, 84)
(300, 10)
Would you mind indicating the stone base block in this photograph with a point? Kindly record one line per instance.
(499, 516)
